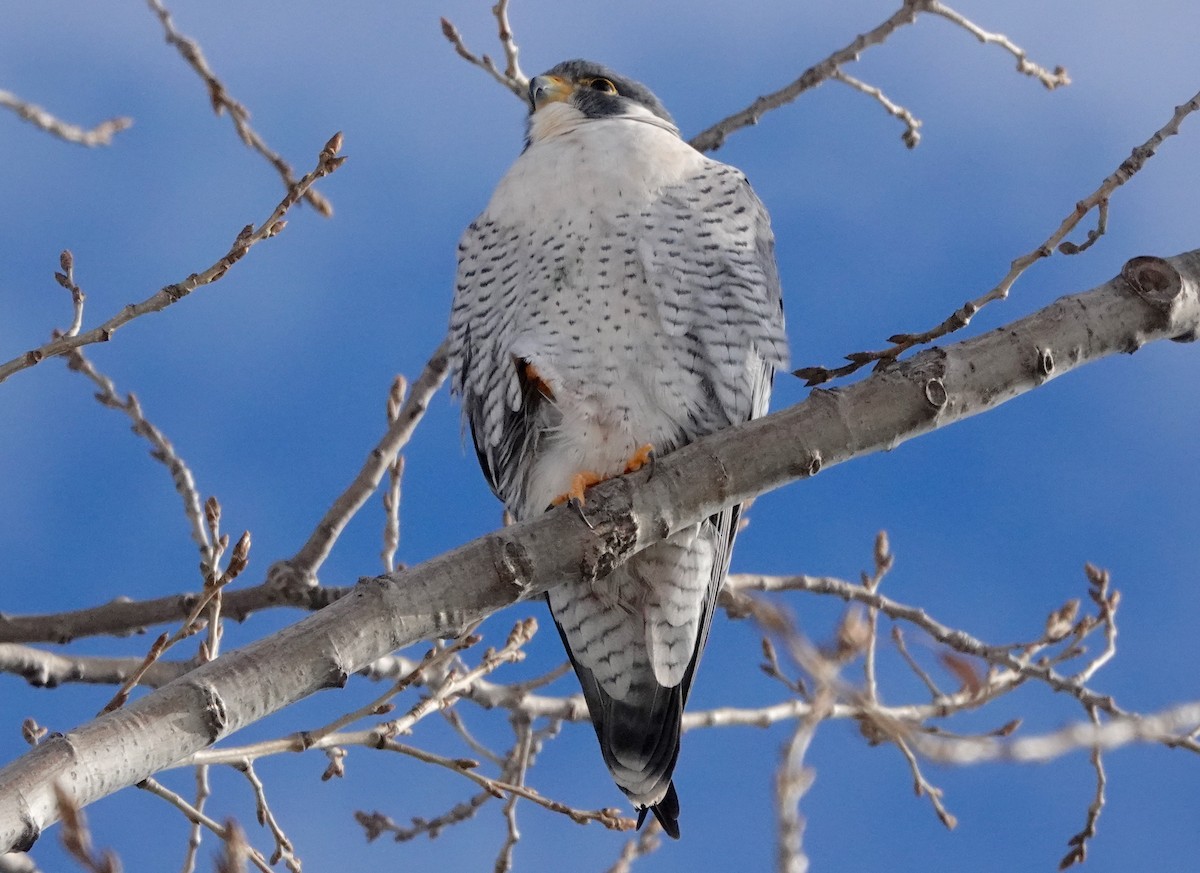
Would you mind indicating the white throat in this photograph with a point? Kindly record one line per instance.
(556, 119)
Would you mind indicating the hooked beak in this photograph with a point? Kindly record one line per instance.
(548, 89)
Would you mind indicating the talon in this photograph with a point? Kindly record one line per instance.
(580, 482)
(640, 458)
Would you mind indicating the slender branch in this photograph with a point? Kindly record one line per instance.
(375, 824)
(515, 772)
(212, 590)
(161, 448)
(194, 815)
(1172, 727)
(1021, 666)
(512, 78)
(301, 569)
(639, 845)
(99, 135)
(1079, 841)
(391, 497)
(67, 279)
(196, 834)
(249, 236)
(1052, 79)
(508, 42)
(714, 136)
(923, 786)
(221, 102)
(610, 818)
(289, 583)
(961, 317)
(284, 850)
(912, 125)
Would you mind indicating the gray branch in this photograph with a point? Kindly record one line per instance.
(1152, 299)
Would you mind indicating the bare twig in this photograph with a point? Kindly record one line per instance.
(391, 496)
(433, 662)
(229, 833)
(793, 780)
(713, 137)
(920, 672)
(196, 835)
(638, 846)
(610, 818)
(101, 134)
(1079, 841)
(249, 236)
(375, 824)
(512, 78)
(289, 583)
(960, 318)
(912, 125)
(515, 773)
(508, 42)
(1022, 666)
(883, 563)
(161, 448)
(284, 850)
(454, 718)
(301, 569)
(923, 786)
(212, 588)
(1173, 728)
(221, 101)
(1052, 79)
(77, 839)
(67, 280)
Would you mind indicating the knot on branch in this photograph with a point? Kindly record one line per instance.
(289, 583)
(1154, 280)
(513, 565)
(616, 532)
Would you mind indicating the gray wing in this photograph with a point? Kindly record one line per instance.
(712, 265)
(506, 413)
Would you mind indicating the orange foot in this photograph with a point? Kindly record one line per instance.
(580, 482)
(640, 458)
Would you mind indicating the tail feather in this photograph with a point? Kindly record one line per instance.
(666, 811)
(638, 731)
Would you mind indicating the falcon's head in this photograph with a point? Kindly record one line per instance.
(576, 91)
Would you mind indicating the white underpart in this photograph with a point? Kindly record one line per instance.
(606, 416)
(627, 268)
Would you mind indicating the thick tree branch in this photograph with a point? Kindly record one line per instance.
(1152, 299)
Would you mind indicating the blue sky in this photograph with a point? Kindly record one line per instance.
(272, 382)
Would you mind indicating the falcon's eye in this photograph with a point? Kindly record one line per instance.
(603, 85)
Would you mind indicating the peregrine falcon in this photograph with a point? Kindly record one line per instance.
(618, 296)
